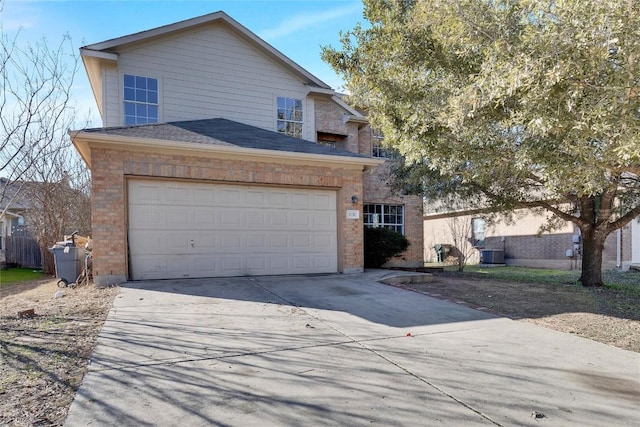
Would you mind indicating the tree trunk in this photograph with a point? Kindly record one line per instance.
(592, 248)
(48, 262)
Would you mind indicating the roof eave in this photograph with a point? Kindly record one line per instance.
(84, 140)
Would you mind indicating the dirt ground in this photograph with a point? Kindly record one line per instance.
(43, 358)
(609, 316)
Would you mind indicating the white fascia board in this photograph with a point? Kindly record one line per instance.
(109, 56)
(315, 90)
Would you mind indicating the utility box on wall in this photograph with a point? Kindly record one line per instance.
(491, 256)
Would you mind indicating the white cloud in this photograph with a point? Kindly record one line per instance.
(309, 19)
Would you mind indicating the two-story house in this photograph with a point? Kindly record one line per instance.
(220, 156)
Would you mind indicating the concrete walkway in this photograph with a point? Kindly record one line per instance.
(335, 350)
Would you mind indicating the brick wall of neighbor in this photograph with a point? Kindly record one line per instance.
(111, 167)
(520, 242)
(377, 190)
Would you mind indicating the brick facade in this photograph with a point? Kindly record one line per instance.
(112, 167)
(330, 118)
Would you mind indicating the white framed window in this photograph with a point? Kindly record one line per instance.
(140, 100)
(377, 147)
(383, 215)
(478, 226)
(289, 116)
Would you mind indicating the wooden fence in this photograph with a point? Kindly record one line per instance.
(22, 251)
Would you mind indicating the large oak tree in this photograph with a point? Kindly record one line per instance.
(508, 104)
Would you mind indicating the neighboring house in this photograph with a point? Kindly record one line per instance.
(8, 222)
(220, 156)
(519, 243)
(13, 208)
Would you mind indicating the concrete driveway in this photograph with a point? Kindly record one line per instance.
(334, 350)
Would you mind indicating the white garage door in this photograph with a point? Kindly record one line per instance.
(181, 229)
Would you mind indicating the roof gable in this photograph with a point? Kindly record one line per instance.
(107, 50)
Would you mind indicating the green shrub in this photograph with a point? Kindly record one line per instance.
(382, 244)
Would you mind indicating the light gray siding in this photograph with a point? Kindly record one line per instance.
(209, 72)
(112, 96)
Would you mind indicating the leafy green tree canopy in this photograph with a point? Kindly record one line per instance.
(508, 104)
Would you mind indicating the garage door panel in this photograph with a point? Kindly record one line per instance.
(322, 262)
(144, 193)
(301, 242)
(324, 201)
(153, 267)
(300, 200)
(231, 265)
(204, 218)
(255, 198)
(204, 266)
(323, 242)
(144, 243)
(206, 230)
(177, 195)
(256, 220)
(301, 219)
(232, 218)
(323, 220)
(255, 241)
(203, 196)
(153, 217)
(278, 241)
(229, 197)
(230, 241)
(277, 199)
(277, 219)
(204, 242)
(178, 218)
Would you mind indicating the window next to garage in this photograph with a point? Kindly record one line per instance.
(140, 100)
(290, 117)
(382, 215)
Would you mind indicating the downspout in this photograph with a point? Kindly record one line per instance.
(618, 248)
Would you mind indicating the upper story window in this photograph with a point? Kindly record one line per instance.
(290, 116)
(381, 215)
(378, 148)
(140, 100)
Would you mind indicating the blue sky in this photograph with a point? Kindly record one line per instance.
(298, 28)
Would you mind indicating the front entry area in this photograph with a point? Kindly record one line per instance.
(179, 229)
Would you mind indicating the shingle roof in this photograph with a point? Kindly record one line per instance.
(12, 193)
(223, 132)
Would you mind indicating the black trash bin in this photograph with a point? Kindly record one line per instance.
(69, 262)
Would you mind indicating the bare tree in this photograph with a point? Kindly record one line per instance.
(58, 191)
(35, 104)
(36, 156)
(460, 229)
